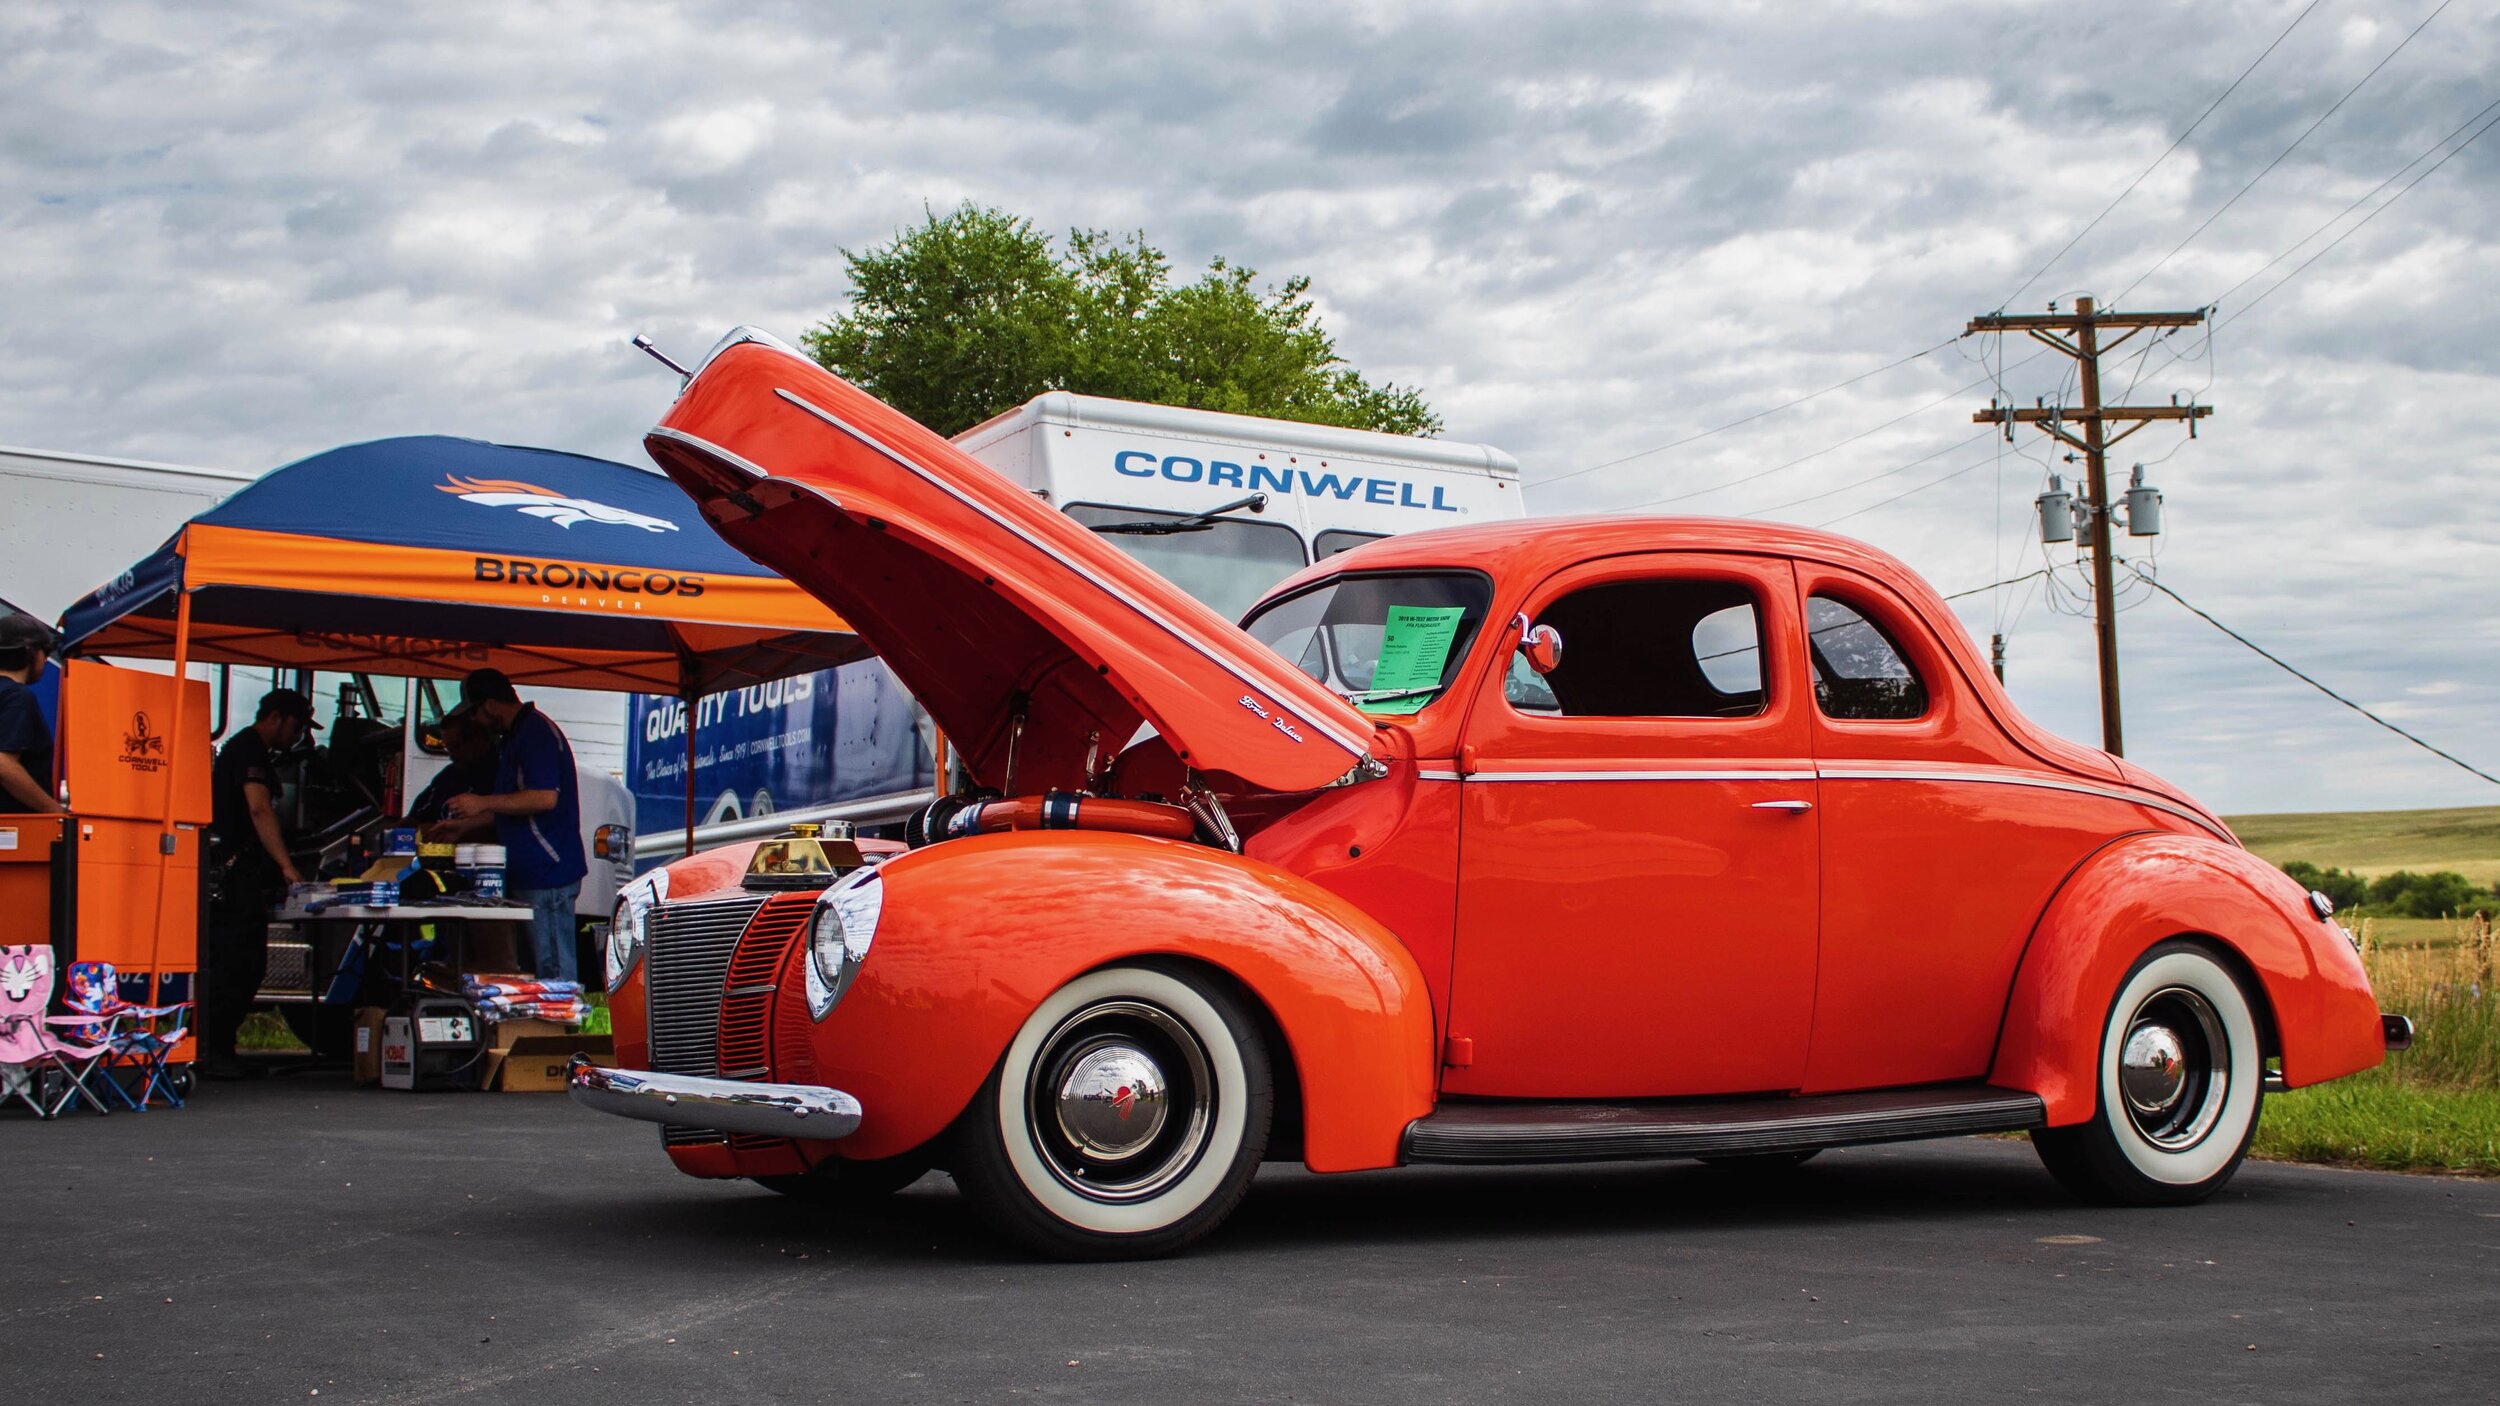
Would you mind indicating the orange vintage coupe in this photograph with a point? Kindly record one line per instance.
(1551, 841)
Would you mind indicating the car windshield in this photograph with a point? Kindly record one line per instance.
(1389, 643)
(1228, 563)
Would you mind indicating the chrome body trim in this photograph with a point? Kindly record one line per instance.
(1594, 774)
(705, 446)
(1359, 749)
(728, 1105)
(1978, 776)
(1999, 777)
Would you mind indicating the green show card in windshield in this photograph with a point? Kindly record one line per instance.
(1414, 648)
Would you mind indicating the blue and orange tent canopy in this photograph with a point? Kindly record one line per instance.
(433, 556)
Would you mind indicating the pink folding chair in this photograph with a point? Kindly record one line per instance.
(30, 1052)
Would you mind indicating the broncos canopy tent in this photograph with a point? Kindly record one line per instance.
(434, 556)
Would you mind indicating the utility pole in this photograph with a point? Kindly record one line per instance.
(2085, 325)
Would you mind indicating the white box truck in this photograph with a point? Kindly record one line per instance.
(1259, 499)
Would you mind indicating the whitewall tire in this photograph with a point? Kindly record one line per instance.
(2180, 1075)
(1126, 1118)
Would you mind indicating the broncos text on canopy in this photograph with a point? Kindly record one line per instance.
(581, 576)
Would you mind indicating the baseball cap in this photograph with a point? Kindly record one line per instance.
(287, 703)
(487, 686)
(22, 637)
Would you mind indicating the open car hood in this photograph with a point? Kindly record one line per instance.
(1022, 633)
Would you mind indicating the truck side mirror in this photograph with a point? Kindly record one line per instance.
(1541, 646)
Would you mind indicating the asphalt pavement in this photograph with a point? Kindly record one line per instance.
(299, 1237)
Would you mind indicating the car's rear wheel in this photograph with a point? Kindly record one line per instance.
(2180, 1075)
(845, 1184)
(1125, 1120)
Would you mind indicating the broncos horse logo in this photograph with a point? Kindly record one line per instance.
(546, 503)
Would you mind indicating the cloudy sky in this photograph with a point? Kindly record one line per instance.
(236, 234)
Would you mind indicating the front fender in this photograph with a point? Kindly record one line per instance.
(975, 932)
(2147, 888)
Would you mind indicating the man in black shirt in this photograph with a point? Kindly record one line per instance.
(25, 741)
(252, 872)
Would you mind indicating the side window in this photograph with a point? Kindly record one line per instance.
(1859, 673)
(1675, 648)
(1339, 539)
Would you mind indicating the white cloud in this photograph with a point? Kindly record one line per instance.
(238, 234)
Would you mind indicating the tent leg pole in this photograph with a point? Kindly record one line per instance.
(691, 700)
(166, 839)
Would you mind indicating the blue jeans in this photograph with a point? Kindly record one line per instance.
(551, 929)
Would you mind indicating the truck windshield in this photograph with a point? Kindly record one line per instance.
(1390, 643)
(1228, 564)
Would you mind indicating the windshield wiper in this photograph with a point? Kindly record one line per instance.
(1383, 695)
(1195, 522)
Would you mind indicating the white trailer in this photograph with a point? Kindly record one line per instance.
(1223, 505)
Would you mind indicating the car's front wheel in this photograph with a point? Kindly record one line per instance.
(2181, 1073)
(1125, 1120)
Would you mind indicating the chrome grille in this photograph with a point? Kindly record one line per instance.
(684, 972)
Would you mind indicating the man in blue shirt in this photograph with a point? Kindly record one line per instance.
(537, 810)
(25, 740)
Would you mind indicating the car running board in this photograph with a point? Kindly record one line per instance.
(1620, 1132)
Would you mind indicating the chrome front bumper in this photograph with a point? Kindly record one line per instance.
(731, 1105)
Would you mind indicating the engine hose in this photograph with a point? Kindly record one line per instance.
(1068, 810)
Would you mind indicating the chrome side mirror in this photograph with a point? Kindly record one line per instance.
(1540, 645)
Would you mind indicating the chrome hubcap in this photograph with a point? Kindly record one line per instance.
(1120, 1101)
(2151, 1070)
(2174, 1068)
(1112, 1100)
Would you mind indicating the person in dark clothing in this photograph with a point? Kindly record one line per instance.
(25, 739)
(472, 771)
(537, 810)
(253, 870)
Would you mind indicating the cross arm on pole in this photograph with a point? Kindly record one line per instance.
(2107, 414)
(2068, 322)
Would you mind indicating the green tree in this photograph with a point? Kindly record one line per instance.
(975, 312)
(2344, 889)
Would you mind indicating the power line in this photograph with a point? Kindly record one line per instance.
(2481, 115)
(2277, 662)
(2366, 198)
(2000, 585)
(2280, 156)
(2042, 271)
(1746, 420)
(2356, 228)
(1872, 478)
(1897, 497)
(1759, 474)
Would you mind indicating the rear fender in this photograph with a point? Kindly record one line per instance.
(975, 932)
(2145, 889)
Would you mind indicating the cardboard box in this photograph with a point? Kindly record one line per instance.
(536, 1064)
(367, 1067)
(507, 1031)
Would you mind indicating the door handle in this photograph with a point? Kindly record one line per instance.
(1792, 807)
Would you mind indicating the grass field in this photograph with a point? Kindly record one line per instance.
(2372, 843)
(2438, 1105)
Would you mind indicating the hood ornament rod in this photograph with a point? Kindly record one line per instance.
(643, 343)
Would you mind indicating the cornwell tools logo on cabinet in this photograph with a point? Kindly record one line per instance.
(143, 747)
(545, 503)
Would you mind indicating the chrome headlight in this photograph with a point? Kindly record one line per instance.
(838, 936)
(631, 931)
